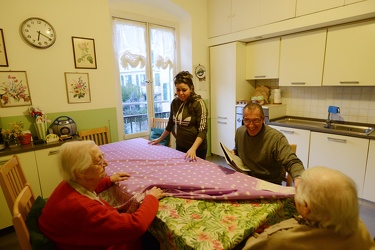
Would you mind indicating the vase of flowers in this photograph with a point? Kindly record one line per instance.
(11, 136)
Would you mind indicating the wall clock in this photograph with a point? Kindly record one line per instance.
(38, 32)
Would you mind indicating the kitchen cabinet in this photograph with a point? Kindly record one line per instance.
(262, 59)
(31, 173)
(227, 16)
(302, 58)
(305, 7)
(369, 186)
(301, 138)
(350, 55)
(272, 11)
(228, 85)
(344, 153)
(49, 176)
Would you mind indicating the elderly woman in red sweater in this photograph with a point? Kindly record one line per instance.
(76, 218)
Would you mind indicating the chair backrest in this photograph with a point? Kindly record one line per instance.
(99, 135)
(21, 209)
(287, 178)
(12, 180)
(159, 122)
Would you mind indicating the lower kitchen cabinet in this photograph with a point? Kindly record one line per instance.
(301, 138)
(369, 187)
(344, 153)
(49, 175)
(30, 170)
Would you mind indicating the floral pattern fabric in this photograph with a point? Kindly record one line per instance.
(201, 224)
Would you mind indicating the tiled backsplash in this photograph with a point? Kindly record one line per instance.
(357, 104)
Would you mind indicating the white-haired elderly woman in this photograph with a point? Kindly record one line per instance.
(76, 218)
(327, 202)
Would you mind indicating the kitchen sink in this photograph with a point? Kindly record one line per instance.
(344, 127)
(352, 128)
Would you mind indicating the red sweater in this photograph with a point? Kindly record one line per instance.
(74, 221)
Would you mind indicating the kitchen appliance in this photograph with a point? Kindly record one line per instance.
(271, 111)
(64, 125)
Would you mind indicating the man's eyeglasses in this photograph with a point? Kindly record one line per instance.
(256, 121)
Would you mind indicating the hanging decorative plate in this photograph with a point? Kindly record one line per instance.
(200, 72)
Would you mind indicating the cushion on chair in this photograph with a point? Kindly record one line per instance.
(156, 133)
(37, 238)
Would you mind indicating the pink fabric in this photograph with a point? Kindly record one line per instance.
(164, 167)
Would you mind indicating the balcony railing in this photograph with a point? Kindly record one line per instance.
(136, 123)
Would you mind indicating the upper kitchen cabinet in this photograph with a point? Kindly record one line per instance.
(262, 59)
(272, 11)
(307, 6)
(302, 58)
(226, 16)
(350, 55)
(228, 85)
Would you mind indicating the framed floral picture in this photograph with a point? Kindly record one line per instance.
(14, 89)
(77, 87)
(84, 53)
(3, 51)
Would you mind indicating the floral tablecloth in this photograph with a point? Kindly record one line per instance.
(202, 224)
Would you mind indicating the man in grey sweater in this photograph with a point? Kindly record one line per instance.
(264, 150)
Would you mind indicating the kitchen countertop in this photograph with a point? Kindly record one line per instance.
(370, 136)
(32, 147)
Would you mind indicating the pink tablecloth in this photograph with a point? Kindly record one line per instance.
(164, 167)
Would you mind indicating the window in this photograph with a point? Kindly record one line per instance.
(143, 95)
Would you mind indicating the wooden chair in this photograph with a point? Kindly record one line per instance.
(159, 122)
(162, 124)
(21, 209)
(287, 178)
(99, 135)
(12, 180)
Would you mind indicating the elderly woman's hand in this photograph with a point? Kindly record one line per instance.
(120, 176)
(157, 192)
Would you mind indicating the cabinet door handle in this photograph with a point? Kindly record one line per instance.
(286, 131)
(221, 122)
(53, 152)
(222, 117)
(349, 82)
(298, 83)
(336, 139)
(260, 76)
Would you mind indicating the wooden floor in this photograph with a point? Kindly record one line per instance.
(8, 240)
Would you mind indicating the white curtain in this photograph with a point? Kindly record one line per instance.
(131, 46)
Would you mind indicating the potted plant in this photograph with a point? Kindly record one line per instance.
(12, 136)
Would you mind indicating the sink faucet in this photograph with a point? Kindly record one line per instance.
(331, 110)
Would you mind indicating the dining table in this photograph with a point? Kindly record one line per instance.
(208, 206)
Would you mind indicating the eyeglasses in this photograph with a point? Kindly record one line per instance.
(101, 162)
(256, 121)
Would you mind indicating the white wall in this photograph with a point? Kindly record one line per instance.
(45, 67)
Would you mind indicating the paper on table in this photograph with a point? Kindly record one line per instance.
(265, 185)
(233, 160)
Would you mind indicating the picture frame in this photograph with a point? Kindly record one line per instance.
(14, 89)
(77, 87)
(3, 51)
(84, 53)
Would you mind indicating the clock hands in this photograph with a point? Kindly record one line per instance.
(40, 33)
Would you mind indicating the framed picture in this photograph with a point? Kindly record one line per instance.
(14, 89)
(3, 51)
(77, 87)
(84, 53)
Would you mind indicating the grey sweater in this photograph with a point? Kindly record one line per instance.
(266, 154)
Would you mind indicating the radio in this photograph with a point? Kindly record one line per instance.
(64, 125)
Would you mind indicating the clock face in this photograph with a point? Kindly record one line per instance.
(38, 32)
